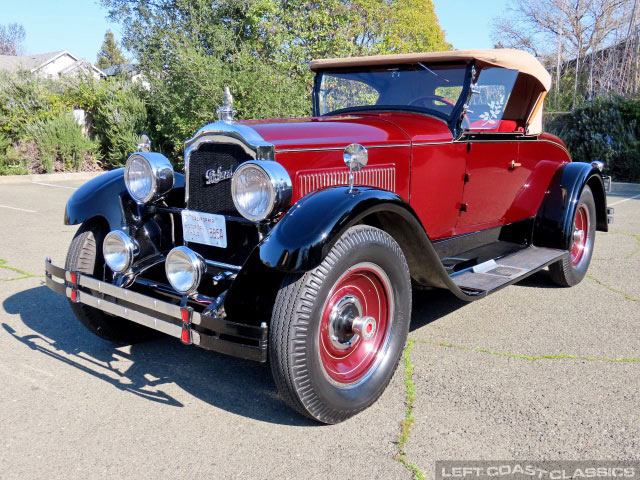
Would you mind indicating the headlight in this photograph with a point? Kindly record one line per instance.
(260, 189)
(184, 269)
(148, 176)
(118, 250)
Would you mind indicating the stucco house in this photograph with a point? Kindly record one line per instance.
(52, 64)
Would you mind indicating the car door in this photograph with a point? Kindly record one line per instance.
(493, 173)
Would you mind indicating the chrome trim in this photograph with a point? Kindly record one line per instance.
(228, 133)
(130, 246)
(378, 176)
(281, 187)
(197, 263)
(224, 266)
(598, 164)
(162, 177)
(322, 149)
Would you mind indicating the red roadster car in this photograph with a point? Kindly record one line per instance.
(298, 241)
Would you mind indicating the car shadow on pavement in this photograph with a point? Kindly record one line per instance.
(239, 386)
(431, 305)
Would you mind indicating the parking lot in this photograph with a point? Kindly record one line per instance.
(533, 372)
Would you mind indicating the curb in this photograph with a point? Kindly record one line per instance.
(48, 177)
(620, 187)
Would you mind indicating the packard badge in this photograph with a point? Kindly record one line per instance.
(216, 176)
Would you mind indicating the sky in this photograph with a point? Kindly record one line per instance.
(79, 25)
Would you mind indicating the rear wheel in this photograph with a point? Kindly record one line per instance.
(572, 268)
(85, 256)
(338, 331)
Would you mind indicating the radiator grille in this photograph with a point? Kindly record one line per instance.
(216, 197)
(379, 177)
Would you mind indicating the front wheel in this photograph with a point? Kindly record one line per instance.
(573, 267)
(85, 256)
(337, 332)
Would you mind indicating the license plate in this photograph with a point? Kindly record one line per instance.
(205, 228)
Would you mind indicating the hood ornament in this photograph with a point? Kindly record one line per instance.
(226, 111)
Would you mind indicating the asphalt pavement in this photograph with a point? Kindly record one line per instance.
(533, 372)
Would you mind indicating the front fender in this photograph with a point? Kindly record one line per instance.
(104, 196)
(554, 221)
(306, 233)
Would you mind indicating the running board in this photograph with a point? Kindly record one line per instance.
(491, 276)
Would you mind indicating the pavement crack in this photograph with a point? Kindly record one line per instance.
(21, 273)
(613, 289)
(531, 358)
(407, 421)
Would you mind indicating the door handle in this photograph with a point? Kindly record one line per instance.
(513, 165)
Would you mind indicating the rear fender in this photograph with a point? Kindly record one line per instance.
(554, 221)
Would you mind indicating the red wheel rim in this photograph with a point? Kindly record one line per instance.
(580, 235)
(362, 291)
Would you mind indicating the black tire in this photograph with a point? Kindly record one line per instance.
(294, 342)
(564, 272)
(85, 256)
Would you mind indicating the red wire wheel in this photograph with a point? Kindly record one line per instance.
(361, 300)
(580, 234)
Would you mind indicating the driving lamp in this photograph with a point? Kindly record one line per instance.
(148, 176)
(184, 269)
(260, 189)
(118, 250)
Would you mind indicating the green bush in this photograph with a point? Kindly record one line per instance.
(61, 143)
(117, 112)
(25, 98)
(606, 129)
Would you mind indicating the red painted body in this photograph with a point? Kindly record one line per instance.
(507, 173)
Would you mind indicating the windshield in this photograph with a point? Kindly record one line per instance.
(420, 87)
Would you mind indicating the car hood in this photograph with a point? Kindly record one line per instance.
(319, 133)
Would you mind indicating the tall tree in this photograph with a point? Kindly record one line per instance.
(110, 53)
(11, 39)
(190, 49)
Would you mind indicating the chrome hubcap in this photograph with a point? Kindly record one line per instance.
(346, 323)
(578, 236)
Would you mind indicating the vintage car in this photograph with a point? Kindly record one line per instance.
(299, 241)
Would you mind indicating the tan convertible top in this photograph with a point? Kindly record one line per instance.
(500, 57)
(529, 94)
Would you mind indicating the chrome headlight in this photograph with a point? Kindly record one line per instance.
(118, 250)
(260, 189)
(184, 269)
(148, 176)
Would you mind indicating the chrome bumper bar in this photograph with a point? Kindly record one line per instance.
(191, 327)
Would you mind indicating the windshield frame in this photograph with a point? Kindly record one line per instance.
(451, 119)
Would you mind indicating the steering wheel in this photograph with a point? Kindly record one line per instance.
(433, 98)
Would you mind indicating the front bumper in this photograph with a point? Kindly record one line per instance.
(191, 327)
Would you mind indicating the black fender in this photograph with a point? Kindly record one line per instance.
(105, 196)
(307, 232)
(554, 222)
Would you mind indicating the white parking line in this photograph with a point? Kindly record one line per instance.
(52, 185)
(622, 201)
(16, 208)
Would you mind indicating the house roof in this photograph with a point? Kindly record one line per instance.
(36, 62)
(501, 57)
(28, 62)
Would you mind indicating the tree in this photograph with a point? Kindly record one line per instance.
(11, 39)
(563, 32)
(190, 49)
(110, 53)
